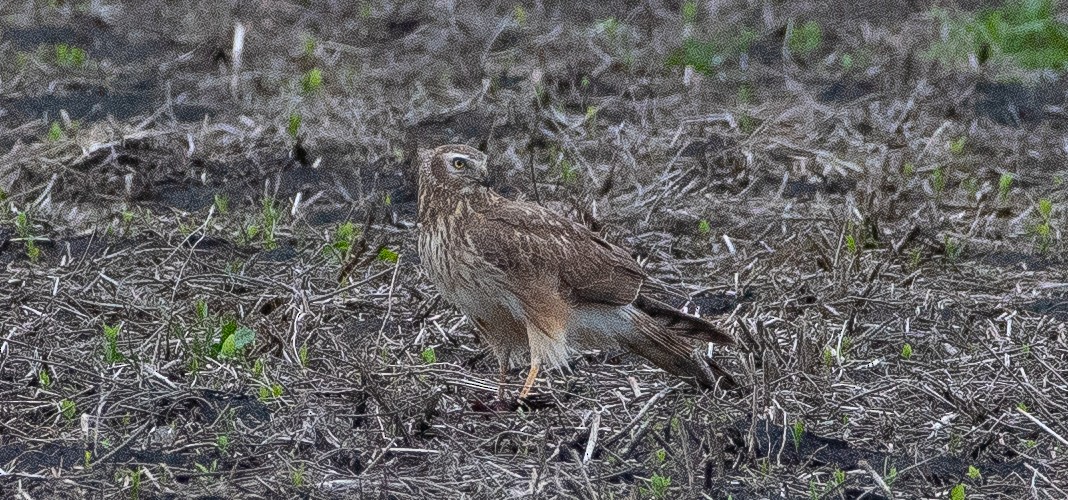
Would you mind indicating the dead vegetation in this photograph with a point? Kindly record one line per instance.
(882, 232)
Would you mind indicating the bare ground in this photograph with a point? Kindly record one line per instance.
(827, 216)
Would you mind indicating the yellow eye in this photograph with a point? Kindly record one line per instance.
(458, 163)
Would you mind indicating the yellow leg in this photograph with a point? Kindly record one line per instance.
(501, 382)
(532, 376)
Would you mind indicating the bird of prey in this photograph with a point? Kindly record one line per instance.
(536, 282)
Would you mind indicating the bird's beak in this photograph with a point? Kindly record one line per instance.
(483, 178)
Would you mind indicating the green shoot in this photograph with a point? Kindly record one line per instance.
(55, 132)
(689, 11)
(68, 409)
(387, 255)
(806, 39)
(69, 56)
(311, 81)
(519, 15)
(704, 227)
(797, 433)
(293, 127)
(429, 356)
(111, 348)
(956, 146)
(906, 351)
(957, 493)
(1004, 184)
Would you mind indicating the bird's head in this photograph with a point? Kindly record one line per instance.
(454, 166)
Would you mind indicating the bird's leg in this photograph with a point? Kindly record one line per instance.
(501, 382)
(532, 376)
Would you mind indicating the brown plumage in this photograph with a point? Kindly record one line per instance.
(536, 282)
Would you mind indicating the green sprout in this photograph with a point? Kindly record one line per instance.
(1004, 184)
(704, 227)
(293, 127)
(222, 203)
(311, 81)
(344, 238)
(851, 244)
(973, 472)
(689, 11)
(111, 348)
(906, 351)
(273, 391)
(55, 132)
(222, 443)
(956, 146)
(658, 485)
(68, 409)
(429, 356)
(806, 39)
(957, 493)
(661, 455)
(1043, 229)
(387, 255)
(797, 433)
(846, 61)
(938, 180)
(43, 379)
(69, 56)
(519, 15)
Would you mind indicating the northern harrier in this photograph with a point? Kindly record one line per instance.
(534, 281)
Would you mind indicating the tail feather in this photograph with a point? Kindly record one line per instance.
(680, 323)
(650, 338)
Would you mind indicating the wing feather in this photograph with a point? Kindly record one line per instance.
(528, 242)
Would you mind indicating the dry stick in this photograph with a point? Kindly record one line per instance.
(592, 441)
(1043, 426)
(641, 413)
(1044, 478)
(877, 478)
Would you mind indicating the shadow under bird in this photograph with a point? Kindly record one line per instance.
(535, 282)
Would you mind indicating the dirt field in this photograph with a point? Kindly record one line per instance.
(209, 285)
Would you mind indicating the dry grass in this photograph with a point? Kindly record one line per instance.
(827, 216)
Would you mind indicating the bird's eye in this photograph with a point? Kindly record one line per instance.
(458, 163)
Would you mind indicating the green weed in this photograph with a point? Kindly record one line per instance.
(1021, 33)
(43, 378)
(232, 339)
(973, 472)
(342, 241)
(69, 56)
(957, 493)
(1004, 185)
(805, 39)
(938, 180)
(1043, 229)
(55, 132)
(24, 230)
(68, 409)
(293, 127)
(519, 15)
(704, 227)
(387, 255)
(956, 146)
(311, 81)
(111, 344)
(658, 486)
(797, 432)
(906, 351)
